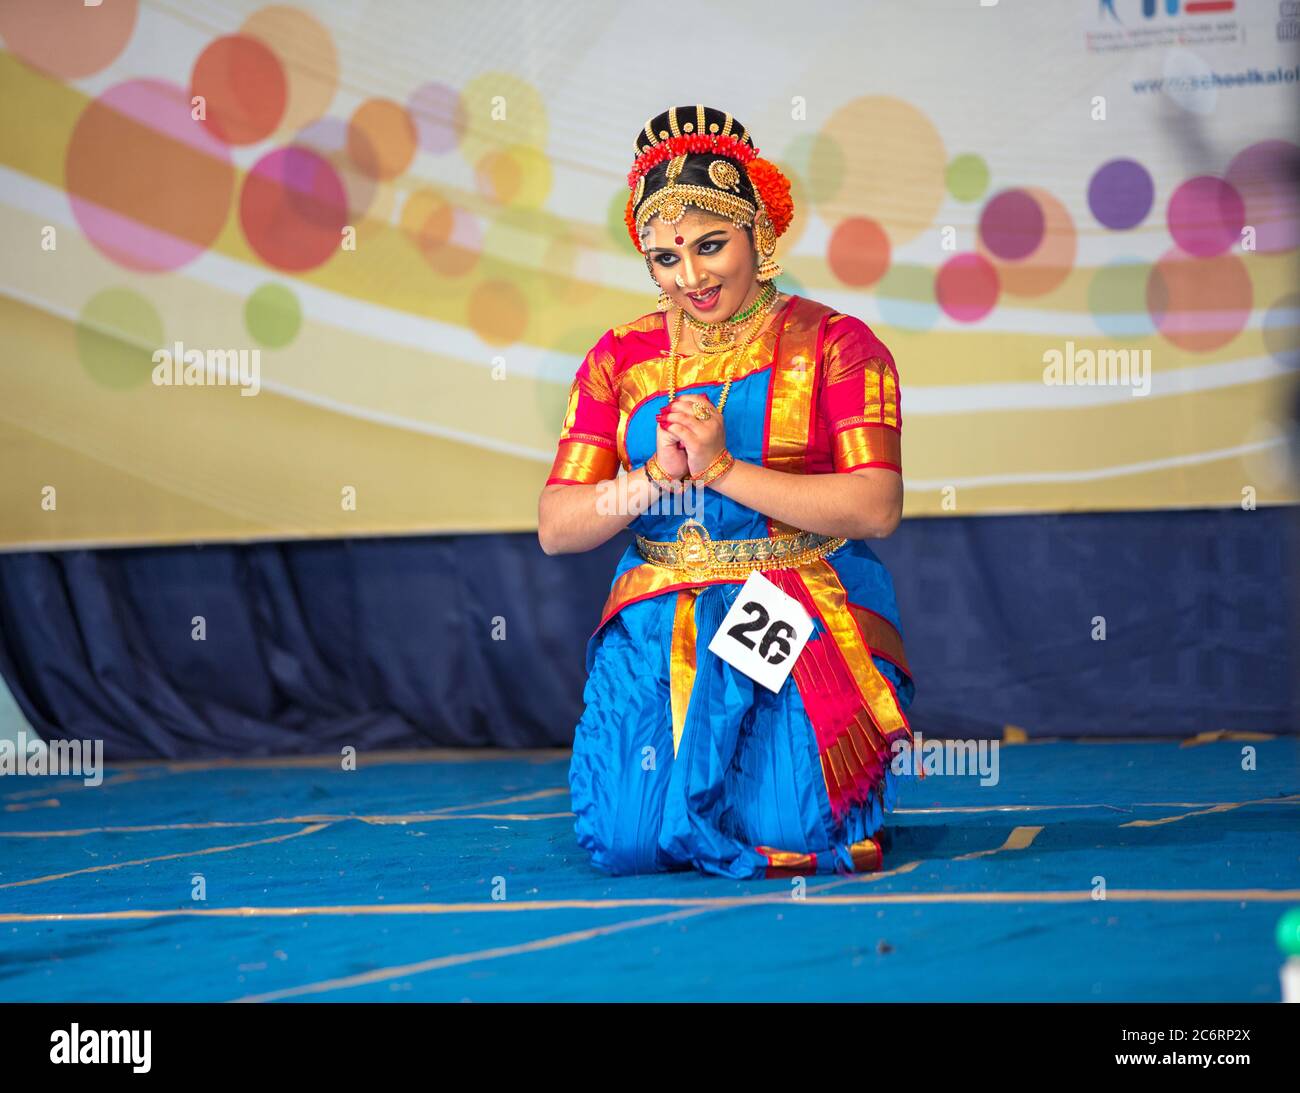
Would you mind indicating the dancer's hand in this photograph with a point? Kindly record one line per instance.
(703, 439)
(671, 454)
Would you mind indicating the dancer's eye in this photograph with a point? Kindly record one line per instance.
(666, 259)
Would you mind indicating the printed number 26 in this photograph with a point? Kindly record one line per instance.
(775, 634)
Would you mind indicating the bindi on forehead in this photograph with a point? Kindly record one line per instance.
(685, 234)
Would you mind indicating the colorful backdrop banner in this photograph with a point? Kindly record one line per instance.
(329, 269)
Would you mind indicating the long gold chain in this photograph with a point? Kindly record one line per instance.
(755, 324)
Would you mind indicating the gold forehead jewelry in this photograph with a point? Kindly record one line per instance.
(670, 202)
(724, 175)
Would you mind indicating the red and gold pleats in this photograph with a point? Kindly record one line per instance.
(791, 405)
(854, 711)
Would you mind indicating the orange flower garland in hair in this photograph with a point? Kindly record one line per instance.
(770, 183)
(774, 188)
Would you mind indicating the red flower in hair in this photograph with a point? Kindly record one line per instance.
(629, 218)
(687, 143)
(774, 188)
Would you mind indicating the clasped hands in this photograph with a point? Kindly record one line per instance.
(683, 443)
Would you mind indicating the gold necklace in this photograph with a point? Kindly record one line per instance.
(756, 322)
(721, 336)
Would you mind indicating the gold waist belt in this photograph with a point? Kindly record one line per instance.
(696, 553)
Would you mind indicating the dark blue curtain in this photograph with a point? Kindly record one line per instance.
(479, 639)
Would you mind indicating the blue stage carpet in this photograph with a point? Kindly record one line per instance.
(378, 884)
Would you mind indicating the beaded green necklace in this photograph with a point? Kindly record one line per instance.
(720, 337)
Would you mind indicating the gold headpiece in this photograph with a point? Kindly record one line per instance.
(708, 132)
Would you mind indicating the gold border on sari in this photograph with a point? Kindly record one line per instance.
(861, 443)
(791, 402)
(881, 636)
(580, 460)
(866, 856)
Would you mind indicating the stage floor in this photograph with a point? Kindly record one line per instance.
(378, 885)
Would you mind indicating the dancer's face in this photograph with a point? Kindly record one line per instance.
(714, 253)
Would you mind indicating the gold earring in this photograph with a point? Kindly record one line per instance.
(765, 244)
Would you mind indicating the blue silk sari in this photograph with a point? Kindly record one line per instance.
(680, 760)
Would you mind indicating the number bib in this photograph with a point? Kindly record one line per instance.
(763, 633)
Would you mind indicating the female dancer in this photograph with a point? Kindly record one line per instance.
(780, 418)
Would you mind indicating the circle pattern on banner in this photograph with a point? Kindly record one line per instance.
(967, 177)
(967, 287)
(858, 253)
(893, 164)
(118, 332)
(1117, 299)
(381, 139)
(427, 219)
(1205, 216)
(516, 176)
(243, 88)
(273, 315)
(307, 56)
(507, 111)
(1267, 176)
(148, 187)
(1011, 225)
(450, 239)
(65, 38)
(439, 116)
(293, 209)
(1050, 263)
(1199, 304)
(369, 202)
(1121, 193)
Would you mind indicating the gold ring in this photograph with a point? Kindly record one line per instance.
(701, 411)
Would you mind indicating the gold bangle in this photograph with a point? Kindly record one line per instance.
(656, 473)
(715, 470)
